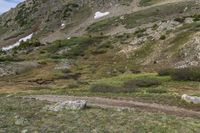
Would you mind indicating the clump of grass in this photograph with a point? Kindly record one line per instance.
(145, 2)
(28, 44)
(187, 74)
(163, 37)
(77, 46)
(141, 83)
(180, 19)
(104, 88)
(127, 87)
(196, 17)
(103, 25)
(102, 48)
(8, 58)
(166, 72)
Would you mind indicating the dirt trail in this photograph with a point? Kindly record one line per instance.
(112, 103)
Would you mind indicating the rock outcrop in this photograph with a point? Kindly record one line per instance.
(14, 68)
(191, 99)
(68, 105)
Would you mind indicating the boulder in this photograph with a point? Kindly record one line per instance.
(69, 105)
(191, 99)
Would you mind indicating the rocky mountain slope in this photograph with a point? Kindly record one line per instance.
(134, 35)
(133, 65)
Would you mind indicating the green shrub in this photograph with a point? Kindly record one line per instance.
(166, 72)
(73, 85)
(186, 74)
(180, 20)
(145, 2)
(196, 17)
(140, 32)
(155, 26)
(103, 88)
(103, 25)
(141, 83)
(77, 45)
(102, 48)
(163, 37)
(9, 58)
(28, 44)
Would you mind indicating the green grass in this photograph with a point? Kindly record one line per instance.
(77, 46)
(169, 92)
(148, 2)
(119, 80)
(177, 42)
(102, 25)
(133, 20)
(144, 51)
(89, 120)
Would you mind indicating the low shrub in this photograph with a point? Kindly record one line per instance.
(196, 17)
(165, 72)
(141, 83)
(9, 58)
(145, 2)
(99, 51)
(28, 44)
(186, 74)
(180, 20)
(73, 85)
(163, 37)
(103, 88)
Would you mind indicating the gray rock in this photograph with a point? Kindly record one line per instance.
(24, 131)
(191, 99)
(13, 68)
(20, 121)
(189, 20)
(68, 105)
(64, 64)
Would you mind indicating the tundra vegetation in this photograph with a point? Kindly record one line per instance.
(150, 56)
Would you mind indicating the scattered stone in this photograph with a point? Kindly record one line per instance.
(120, 109)
(64, 64)
(69, 105)
(24, 131)
(122, 17)
(191, 99)
(13, 68)
(189, 20)
(20, 121)
(190, 53)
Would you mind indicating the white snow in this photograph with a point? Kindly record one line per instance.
(100, 14)
(24, 39)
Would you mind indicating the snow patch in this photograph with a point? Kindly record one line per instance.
(24, 39)
(100, 14)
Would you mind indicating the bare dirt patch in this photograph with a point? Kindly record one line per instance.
(113, 103)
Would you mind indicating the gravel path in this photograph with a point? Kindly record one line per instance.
(113, 103)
